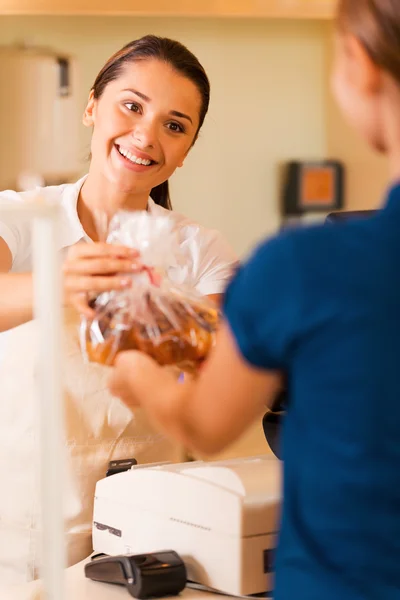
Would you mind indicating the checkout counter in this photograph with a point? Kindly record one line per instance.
(221, 518)
(79, 588)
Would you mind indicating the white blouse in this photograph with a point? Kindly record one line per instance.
(210, 260)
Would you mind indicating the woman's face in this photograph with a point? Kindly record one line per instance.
(144, 124)
(356, 87)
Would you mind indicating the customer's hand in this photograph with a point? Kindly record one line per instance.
(139, 381)
(90, 269)
(136, 376)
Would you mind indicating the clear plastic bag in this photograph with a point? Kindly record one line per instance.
(171, 323)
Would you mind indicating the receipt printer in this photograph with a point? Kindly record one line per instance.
(220, 517)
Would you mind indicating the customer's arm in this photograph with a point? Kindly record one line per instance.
(263, 307)
(204, 415)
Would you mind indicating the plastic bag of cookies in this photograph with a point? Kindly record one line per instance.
(168, 321)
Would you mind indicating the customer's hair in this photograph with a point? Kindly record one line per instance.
(376, 24)
(171, 52)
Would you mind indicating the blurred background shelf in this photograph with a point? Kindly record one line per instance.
(276, 9)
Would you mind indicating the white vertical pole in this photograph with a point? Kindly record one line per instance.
(47, 310)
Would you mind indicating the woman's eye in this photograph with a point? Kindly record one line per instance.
(133, 106)
(175, 127)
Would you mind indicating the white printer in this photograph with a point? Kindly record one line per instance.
(221, 518)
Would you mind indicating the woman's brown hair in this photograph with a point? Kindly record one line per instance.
(376, 24)
(171, 52)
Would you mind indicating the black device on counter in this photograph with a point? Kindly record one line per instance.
(272, 421)
(120, 466)
(152, 575)
(337, 217)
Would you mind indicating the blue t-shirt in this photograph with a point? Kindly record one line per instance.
(322, 304)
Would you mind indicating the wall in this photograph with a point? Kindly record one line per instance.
(267, 105)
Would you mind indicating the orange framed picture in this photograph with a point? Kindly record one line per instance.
(313, 187)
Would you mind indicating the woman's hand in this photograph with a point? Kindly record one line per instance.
(90, 269)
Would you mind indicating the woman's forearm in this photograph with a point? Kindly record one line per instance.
(16, 299)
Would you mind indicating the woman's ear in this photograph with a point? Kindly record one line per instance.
(366, 75)
(89, 116)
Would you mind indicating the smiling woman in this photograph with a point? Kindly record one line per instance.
(131, 127)
(145, 109)
(155, 96)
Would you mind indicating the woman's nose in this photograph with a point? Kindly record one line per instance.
(145, 134)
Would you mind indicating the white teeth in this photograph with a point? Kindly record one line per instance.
(133, 158)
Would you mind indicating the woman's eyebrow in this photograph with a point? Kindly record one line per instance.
(142, 96)
(176, 113)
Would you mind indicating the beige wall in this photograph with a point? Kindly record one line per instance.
(267, 105)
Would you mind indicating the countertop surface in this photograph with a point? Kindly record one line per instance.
(79, 588)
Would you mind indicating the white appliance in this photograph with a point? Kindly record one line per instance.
(39, 117)
(221, 518)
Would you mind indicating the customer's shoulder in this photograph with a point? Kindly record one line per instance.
(293, 245)
(321, 235)
(318, 248)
